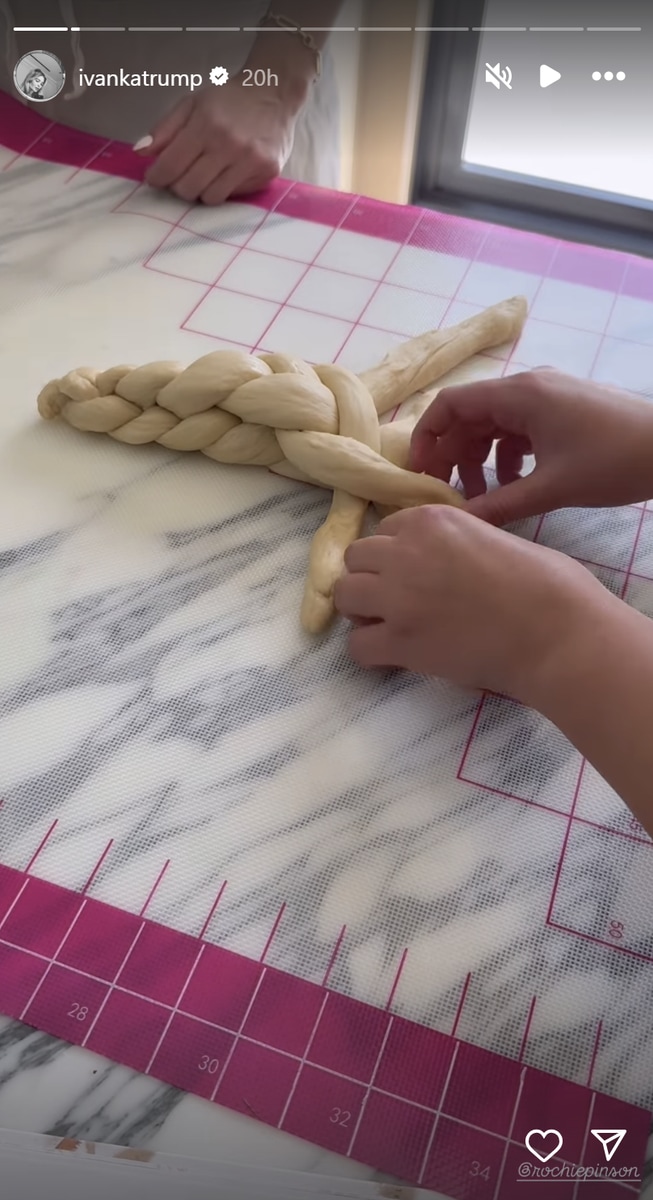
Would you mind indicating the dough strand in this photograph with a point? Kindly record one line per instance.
(316, 424)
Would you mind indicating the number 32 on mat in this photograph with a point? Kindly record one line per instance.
(339, 1116)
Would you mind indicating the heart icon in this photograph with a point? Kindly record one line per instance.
(541, 1135)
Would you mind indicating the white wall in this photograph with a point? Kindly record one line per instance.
(345, 48)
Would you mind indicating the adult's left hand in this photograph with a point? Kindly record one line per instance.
(221, 142)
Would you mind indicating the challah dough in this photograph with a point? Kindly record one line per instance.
(317, 424)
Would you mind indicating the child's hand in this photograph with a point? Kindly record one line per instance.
(439, 592)
(593, 445)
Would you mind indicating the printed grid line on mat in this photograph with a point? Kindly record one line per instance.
(355, 1079)
(616, 283)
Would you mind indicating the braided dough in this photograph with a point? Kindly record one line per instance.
(316, 424)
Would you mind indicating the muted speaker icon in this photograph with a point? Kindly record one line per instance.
(498, 76)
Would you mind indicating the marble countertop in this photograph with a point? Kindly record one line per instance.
(46, 1085)
(94, 539)
(66, 1169)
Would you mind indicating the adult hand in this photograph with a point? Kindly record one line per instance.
(439, 592)
(593, 445)
(220, 142)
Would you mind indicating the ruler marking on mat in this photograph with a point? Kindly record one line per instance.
(98, 866)
(212, 910)
(395, 982)
(12, 907)
(112, 985)
(44, 958)
(586, 1135)
(355, 1078)
(527, 1029)
(336, 951)
(597, 941)
(273, 933)
(461, 1004)
(368, 1089)
(238, 1034)
(52, 961)
(155, 885)
(244, 1037)
(429, 1144)
(175, 1010)
(41, 846)
(504, 1157)
(302, 1062)
(565, 843)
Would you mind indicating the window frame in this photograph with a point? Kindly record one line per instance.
(441, 180)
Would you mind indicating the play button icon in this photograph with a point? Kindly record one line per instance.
(548, 75)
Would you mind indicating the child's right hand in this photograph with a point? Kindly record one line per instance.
(593, 445)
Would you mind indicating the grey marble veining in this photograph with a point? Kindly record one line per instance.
(156, 692)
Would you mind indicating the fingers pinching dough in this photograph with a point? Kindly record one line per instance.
(317, 424)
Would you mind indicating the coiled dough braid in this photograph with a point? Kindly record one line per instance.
(316, 424)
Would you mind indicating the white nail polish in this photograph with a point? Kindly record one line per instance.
(143, 142)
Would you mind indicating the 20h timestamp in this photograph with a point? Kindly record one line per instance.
(262, 77)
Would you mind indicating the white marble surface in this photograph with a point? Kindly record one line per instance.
(155, 689)
(67, 1169)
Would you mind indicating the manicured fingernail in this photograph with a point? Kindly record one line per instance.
(143, 142)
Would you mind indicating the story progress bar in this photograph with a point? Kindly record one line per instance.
(330, 29)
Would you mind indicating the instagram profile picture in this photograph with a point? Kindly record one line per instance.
(39, 76)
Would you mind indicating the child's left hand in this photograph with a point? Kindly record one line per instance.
(439, 592)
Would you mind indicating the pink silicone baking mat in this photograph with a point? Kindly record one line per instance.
(425, 1105)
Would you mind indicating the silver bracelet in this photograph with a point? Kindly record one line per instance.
(282, 22)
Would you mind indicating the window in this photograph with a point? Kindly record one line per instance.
(534, 117)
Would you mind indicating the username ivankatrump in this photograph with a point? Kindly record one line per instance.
(124, 78)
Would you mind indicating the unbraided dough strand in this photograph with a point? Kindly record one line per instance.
(315, 424)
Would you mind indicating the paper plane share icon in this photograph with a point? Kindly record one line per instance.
(610, 1139)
